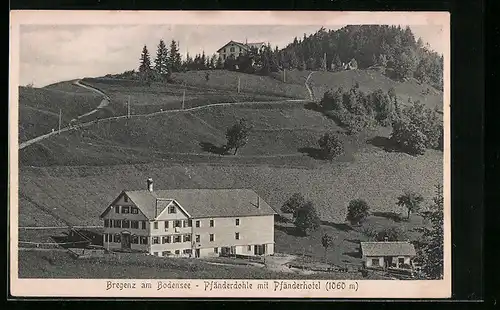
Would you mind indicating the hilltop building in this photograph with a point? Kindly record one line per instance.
(388, 254)
(190, 222)
(234, 49)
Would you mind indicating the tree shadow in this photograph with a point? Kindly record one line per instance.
(338, 226)
(290, 230)
(355, 241)
(313, 106)
(388, 145)
(389, 215)
(212, 148)
(313, 152)
(353, 254)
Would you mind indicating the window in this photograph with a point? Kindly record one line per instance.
(187, 251)
(211, 237)
(111, 223)
(125, 198)
(166, 253)
(105, 237)
(134, 210)
(249, 248)
(117, 209)
(165, 239)
(135, 239)
(237, 236)
(106, 223)
(118, 224)
(237, 222)
(177, 238)
(190, 223)
(143, 240)
(178, 223)
(197, 223)
(125, 209)
(143, 224)
(156, 240)
(375, 262)
(125, 224)
(155, 225)
(166, 224)
(187, 238)
(117, 238)
(216, 250)
(197, 238)
(171, 210)
(177, 252)
(231, 49)
(401, 261)
(211, 223)
(134, 224)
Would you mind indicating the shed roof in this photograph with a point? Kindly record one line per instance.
(388, 248)
(200, 203)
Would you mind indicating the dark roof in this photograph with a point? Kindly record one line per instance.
(199, 203)
(237, 43)
(388, 248)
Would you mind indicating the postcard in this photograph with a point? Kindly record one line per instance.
(230, 154)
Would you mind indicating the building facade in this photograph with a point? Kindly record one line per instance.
(234, 49)
(388, 254)
(190, 223)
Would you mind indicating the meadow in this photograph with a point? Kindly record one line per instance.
(39, 107)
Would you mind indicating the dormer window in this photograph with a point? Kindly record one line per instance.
(172, 210)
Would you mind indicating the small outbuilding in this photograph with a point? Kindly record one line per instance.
(388, 254)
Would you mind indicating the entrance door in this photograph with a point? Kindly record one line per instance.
(125, 241)
(260, 249)
(197, 253)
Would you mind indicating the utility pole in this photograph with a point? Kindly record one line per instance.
(238, 85)
(60, 118)
(325, 63)
(284, 75)
(183, 97)
(128, 107)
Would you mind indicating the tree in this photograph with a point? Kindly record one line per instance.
(411, 201)
(307, 218)
(332, 100)
(174, 59)
(431, 254)
(161, 61)
(326, 242)
(357, 211)
(383, 107)
(331, 146)
(219, 64)
(408, 137)
(295, 202)
(237, 135)
(145, 66)
(391, 233)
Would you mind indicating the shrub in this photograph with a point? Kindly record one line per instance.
(357, 211)
(408, 137)
(295, 202)
(331, 146)
(307, 218)
(353, 123)
(392, 233)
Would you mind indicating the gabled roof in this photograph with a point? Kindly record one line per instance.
(256, 45)
(388, 248)
(233, 42)
(200, 203)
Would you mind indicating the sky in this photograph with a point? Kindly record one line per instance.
(53, 53)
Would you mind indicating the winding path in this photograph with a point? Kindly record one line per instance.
(105, 102)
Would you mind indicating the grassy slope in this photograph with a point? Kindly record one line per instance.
(129, 266)
(368, 80)
(39, 107)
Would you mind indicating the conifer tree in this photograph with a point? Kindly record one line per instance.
(145, 66)
(161, 61)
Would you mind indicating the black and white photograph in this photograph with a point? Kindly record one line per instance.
(299, 152)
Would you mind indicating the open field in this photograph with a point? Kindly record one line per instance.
(56, 264)
(162, 96)
(39, 108)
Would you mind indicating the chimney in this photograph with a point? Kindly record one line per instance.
(150, 184)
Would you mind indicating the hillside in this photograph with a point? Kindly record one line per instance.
(39, 107)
